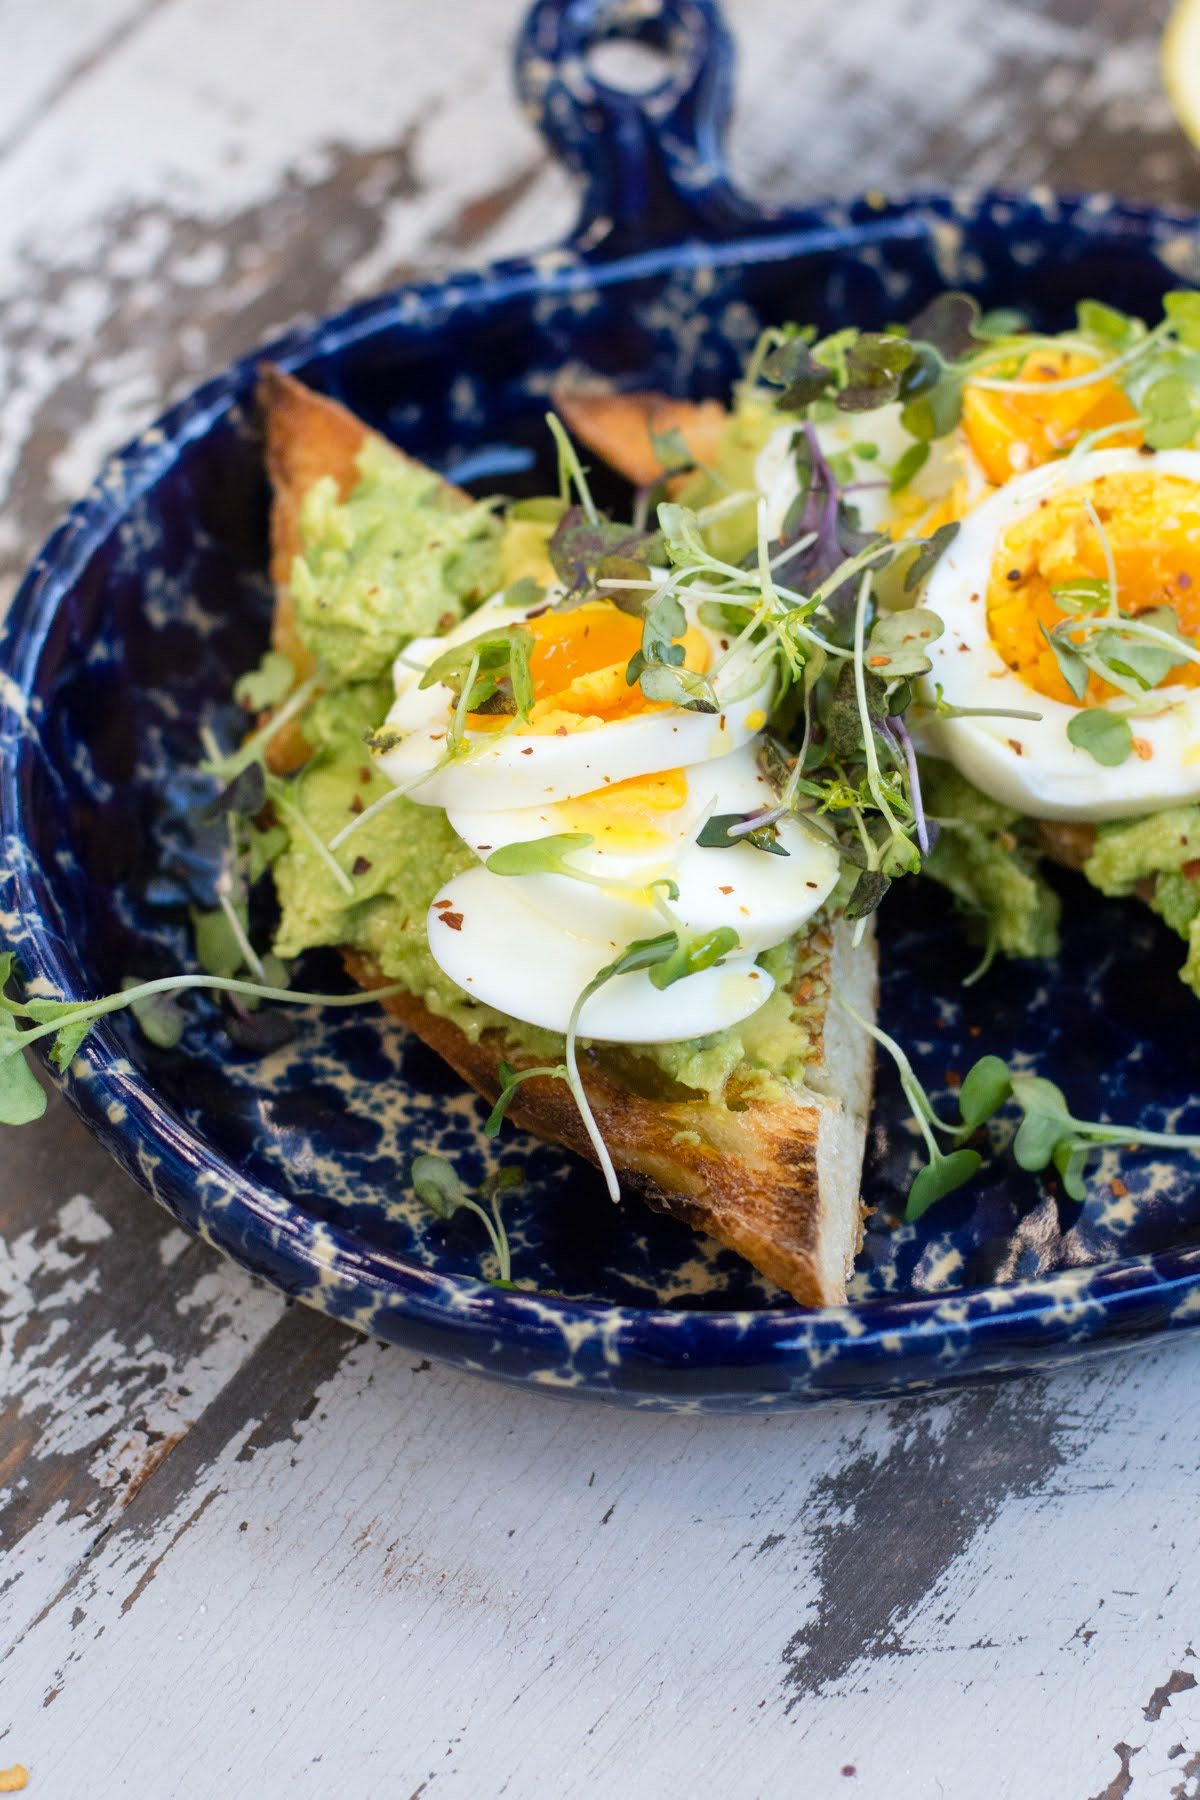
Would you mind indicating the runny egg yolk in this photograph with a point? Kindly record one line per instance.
(1012, 432)
(627, 816)
(1152, 524)
(578, 665)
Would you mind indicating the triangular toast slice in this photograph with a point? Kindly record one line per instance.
(777, 1181)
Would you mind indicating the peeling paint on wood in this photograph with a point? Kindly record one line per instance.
(247, 1553)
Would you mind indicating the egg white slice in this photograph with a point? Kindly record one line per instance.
(763, 897)
(499, 951)
(1031, 765)
(530, 769)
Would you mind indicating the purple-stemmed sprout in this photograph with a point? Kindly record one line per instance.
(898, 730)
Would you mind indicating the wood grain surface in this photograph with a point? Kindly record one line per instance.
(247, 1553)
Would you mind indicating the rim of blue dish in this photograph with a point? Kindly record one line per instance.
(130, 1121)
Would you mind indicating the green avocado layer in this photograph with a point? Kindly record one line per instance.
(981, 856)
(396, 560)
(1160, 856)
(389, 564)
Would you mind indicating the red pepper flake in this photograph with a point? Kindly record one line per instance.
(560, 731)
(974, 1030)
(364, 775)
(810, 884)
(447, 620)
(356, 805)
(953, 1078)
(360, 865)
(1017, 748)
(482, 847)
(453, 919)
(1117, 1188)
(878, 662)
(725, 890)
(528, 750)
(1143, 749)
(438, 904)
(1192, 869)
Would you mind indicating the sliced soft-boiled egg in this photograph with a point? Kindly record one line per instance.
(589, 727)
(644, 832)
(498, 950)
(994, 587)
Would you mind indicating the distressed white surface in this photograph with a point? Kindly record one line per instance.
(246, 1554)
(496, 1594)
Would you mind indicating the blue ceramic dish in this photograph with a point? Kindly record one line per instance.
(152, 596)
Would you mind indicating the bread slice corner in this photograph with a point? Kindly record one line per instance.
(777, 1180)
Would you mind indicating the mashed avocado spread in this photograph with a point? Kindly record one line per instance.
(1160, 855)
(391, 563)
(399, 558)
(980, 857)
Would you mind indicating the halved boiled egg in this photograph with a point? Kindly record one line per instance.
(1134, 512)
(638, 840)
(589, 726)
(501, 951)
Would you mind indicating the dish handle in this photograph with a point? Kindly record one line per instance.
(652, 162)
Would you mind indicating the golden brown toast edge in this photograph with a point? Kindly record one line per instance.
(776, 1182)
(618, 426)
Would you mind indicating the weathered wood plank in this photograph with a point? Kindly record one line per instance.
(420, 1581)
(244, 1551)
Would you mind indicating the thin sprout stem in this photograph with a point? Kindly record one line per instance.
(1110, 566)
(293, 814)
(570, 469)
(915, 1094)
(376, 806)
(251, 748)
(900, 732)
(250, 955)
(575, 1083)
(1187, 651)
(175, 984)
(1063, 384)
(874, 775)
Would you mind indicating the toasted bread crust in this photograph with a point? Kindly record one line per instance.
(757, 1179)
(618, 427)
(776, 1181)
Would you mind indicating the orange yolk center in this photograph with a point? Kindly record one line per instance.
(578, 665)
(628, 815)
(1152, 524)
(1010, 433)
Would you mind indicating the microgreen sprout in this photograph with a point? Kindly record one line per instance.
(437, 1186)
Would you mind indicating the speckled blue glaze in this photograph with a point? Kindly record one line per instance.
(152, 595)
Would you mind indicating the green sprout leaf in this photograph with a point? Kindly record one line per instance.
(691, 955)
(266, 686)
(949, 324)
(908, 467)
(1105, 326)
(874, 365)
(1170, 419)
(924, 562)
(716, 834)
(437, 1185)
(1072, 665)
(987, 1086)
(670, 447)
(22, 1098)
(897, 643)
(793, 367)
(539, 856)
(939, 1178)
(1105, 736)
(1182, 308)
(525, 592)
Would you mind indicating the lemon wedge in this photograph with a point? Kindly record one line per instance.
(1181, 65)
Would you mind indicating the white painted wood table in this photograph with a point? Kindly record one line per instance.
(247, 1553)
